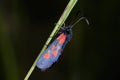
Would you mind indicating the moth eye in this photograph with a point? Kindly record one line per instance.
(46, 56)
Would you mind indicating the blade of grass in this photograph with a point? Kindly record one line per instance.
(61, 21)
(7, 52)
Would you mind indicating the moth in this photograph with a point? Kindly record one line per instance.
(54, 50)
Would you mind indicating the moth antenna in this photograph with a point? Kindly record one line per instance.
(82, 18)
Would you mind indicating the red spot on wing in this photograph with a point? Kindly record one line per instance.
(54, 53)
(53, 47)
(46, 56)
(61, 38)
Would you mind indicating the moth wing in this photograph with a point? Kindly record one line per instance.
(61, 42)
(52, 53)
(43, 63)
(45, 60)
(56, 53)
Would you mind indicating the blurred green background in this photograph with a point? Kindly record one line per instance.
(92, 53)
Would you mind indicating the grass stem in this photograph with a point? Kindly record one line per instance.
(61, 21)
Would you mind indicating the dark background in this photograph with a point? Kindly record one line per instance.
(92, 53)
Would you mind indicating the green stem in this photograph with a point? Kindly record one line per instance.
(61, 21)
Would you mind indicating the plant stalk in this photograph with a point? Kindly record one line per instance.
(59, 24)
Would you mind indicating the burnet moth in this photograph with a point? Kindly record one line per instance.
(54, 50)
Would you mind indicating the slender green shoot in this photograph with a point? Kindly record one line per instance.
(61, 21)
